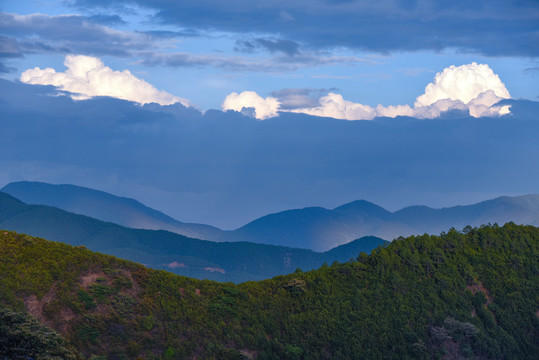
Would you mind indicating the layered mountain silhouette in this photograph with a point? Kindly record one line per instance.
(225, 261)
(314, 228)
(321, 229)
(104, 206)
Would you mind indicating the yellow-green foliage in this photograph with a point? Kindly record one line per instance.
(464, 294)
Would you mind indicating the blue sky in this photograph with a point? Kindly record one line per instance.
(372, 53)
(450, 89)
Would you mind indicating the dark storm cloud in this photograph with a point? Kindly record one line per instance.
(13, 48)
(165, 34)
(278, 63)
(224, 62)
(68, 34)
(532, 70)
(9, 48)
(106, 19)
(4, 69)
(65, 34)
(489, 27)
(287, 47)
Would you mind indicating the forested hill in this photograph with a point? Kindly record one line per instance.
(470, 294)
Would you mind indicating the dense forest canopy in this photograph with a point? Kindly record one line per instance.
(468, 294)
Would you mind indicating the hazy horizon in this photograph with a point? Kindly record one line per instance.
(221, 113)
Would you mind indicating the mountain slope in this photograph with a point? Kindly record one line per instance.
(314, 228)
(456, 296)
(322, 229)
(236, 261)
(286, 226)
(106, 207)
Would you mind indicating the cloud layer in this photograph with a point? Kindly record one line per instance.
(96, 35)
(223, 169)
(40, 33)
(87, 77)
(474, 88)
(489, 27)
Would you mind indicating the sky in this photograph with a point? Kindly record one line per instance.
(382, 52)
(270, 63)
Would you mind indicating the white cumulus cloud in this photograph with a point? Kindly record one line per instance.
(473, 87)
(87, 77)
(264, 108)
(482, 105)
(394, 110)
(437, 108)
(463, 83)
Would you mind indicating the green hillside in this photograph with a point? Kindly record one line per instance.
(471, 294)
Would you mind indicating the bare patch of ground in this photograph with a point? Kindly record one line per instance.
(36, 307)
(249, 354)
(90, 278)
(134, 291)
(479, 287)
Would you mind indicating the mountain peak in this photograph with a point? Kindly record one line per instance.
(530, 201)
(363, 206)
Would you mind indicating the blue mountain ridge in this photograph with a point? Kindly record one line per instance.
(314, 228)
(225, 261)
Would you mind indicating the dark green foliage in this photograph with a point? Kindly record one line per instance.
(470, 294)
(23, 337)
(86, 333)
(86, 300)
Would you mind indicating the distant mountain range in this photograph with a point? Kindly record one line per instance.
(225, 261)
(104, 206)
(321, 229)
(314, 228)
